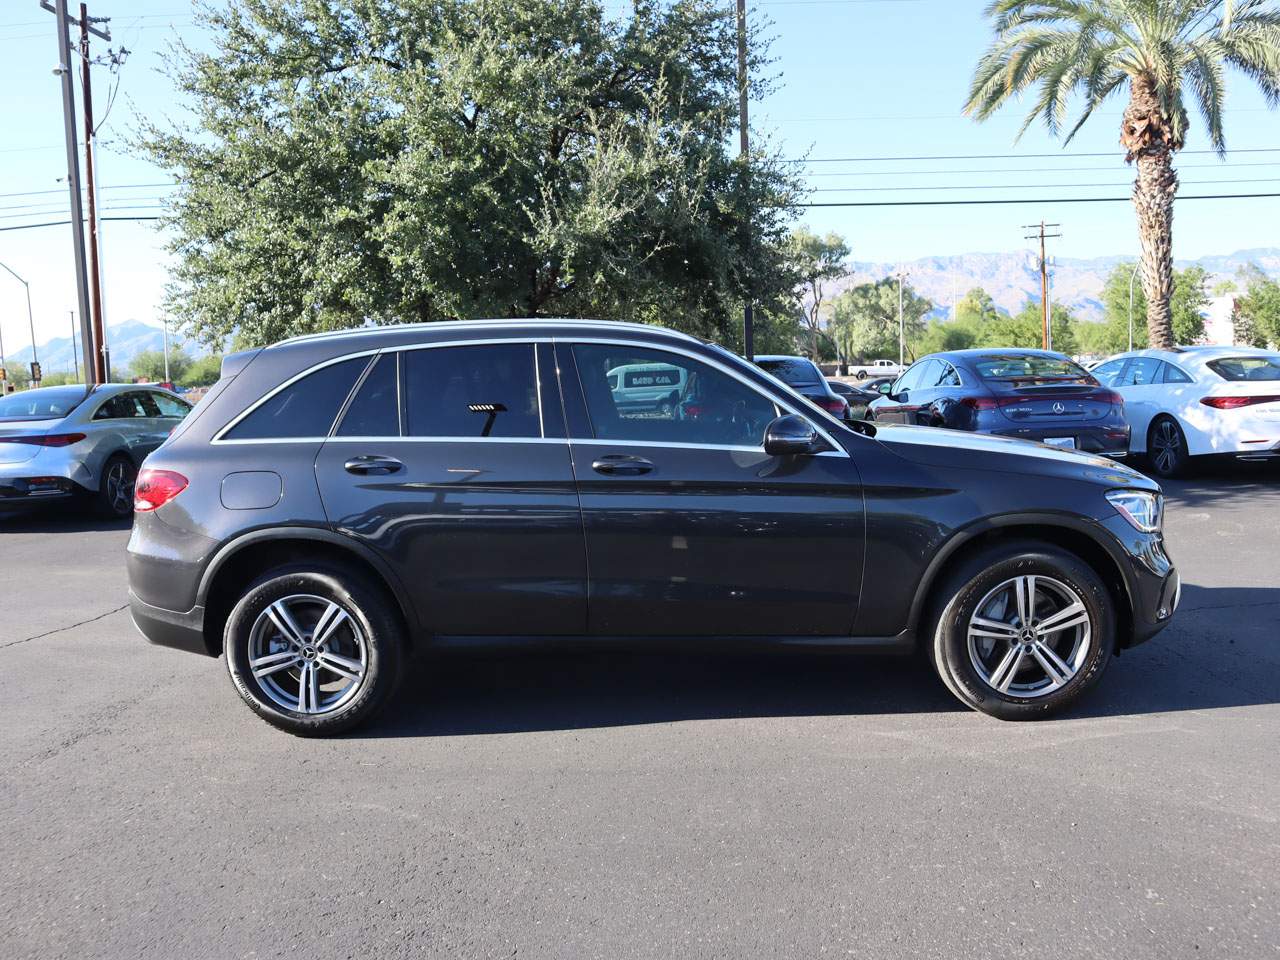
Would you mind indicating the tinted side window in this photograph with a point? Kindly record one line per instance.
(488, 390)
(712, 407)
(1106, 373)
(170, 406)
(950, 377)
(122, 407)
(305, 408)
(1142, 372)
(1173, 375)
(909, 380)
(375, 409)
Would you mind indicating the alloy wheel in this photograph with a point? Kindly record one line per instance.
(1029, 636)
(308, 654)
(119, 483)
(1166, 447)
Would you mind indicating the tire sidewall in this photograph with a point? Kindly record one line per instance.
(361, 601)
(101, 501)
(1181, 462)
(951, 646)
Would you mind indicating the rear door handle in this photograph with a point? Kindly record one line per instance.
(371, 465)
(620, 465)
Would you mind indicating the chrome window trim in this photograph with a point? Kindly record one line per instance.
(220, 437)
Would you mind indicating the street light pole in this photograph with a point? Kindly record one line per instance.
(75, 356)
(30, 319)
(1132, 277)
(165, 322)
(902, 330)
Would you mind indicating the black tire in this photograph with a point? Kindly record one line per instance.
(370, 610)
(971, 585)
(1166, 448)
(113, 499)
(862, 374)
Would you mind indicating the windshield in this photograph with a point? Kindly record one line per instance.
(1246, 368)
(47, 403)
(793, 371)
(1029, 368)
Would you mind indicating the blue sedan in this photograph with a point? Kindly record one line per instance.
(1029, 394)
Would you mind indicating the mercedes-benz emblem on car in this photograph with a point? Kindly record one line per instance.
(1059, 408)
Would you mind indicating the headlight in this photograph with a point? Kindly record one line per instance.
(1141, 508)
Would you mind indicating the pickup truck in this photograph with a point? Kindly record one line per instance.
(876, 368)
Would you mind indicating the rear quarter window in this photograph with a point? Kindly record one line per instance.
(305, 408)
(1246, 368)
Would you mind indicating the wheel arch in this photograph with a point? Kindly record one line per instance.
(1066, 533)
(239, 562)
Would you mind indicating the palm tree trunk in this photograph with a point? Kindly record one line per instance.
(1148, 140)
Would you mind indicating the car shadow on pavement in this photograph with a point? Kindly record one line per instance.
(1219, 652)
(57, 518)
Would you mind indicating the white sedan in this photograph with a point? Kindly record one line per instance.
(1198, 401)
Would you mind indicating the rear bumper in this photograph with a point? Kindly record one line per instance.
(171, 628)
(23, 491)
(1105, 439)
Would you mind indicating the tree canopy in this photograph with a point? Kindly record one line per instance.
(1257, 319)
(396, 160)
(864, 319)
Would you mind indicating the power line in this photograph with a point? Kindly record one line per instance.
(952, 171)
(979, 203)
(116, 186)
(1001, 156)
(1030, 186)
(63, 223)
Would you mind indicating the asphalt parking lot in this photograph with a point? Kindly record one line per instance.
(644, 805)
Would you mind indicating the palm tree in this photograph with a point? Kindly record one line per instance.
(1157, 50)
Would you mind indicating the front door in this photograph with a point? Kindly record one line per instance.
(450, 462)
(691, 529)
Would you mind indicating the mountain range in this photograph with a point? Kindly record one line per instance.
(126, 340)
(1014, 278)
(1011, 278)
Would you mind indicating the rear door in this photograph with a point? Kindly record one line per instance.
(1143, 396)
(899, 405)
(692, 530)
(451, 461)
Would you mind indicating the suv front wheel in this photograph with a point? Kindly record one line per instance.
(313, 650)
(1023, 630)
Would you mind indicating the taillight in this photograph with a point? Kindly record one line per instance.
(1234, 403)
(834, 405)
(1111, 397)
(980, 403)
(155, 488)
(47, 440)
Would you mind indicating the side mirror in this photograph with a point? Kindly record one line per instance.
(885, 388)
(790, 435)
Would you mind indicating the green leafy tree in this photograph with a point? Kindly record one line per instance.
(1026, 329)
(395, 160)
(975, 309)
(59, 378)
(202, 372)
(1258, 311)
(18, 374)
(1186, 306)
(816, 261)
(149, 365)
(1156, 51)
(864, 319)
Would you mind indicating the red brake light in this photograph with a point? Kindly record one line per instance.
(1234, 403)
(834, 405)
(155, 488)
(1111, 397)
(980, 403)
(47, 440)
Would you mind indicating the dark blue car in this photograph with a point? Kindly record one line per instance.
(1029, 394)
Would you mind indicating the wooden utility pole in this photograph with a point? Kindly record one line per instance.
(1044, 270)
(748, 321)
(101, 372)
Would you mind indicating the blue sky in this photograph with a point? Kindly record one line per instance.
(857, 78)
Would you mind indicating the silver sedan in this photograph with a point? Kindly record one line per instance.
(72, 443)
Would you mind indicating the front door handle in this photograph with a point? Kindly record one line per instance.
(370, 465)
(620, 465)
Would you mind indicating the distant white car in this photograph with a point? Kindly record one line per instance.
(876, 368)
(1198, 401)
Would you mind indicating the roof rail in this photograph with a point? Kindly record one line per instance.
(471, 324)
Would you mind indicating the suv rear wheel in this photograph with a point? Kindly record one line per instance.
(1023, 630)
(314, 650)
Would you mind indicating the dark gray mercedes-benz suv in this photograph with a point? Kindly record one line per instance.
(338, 499)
